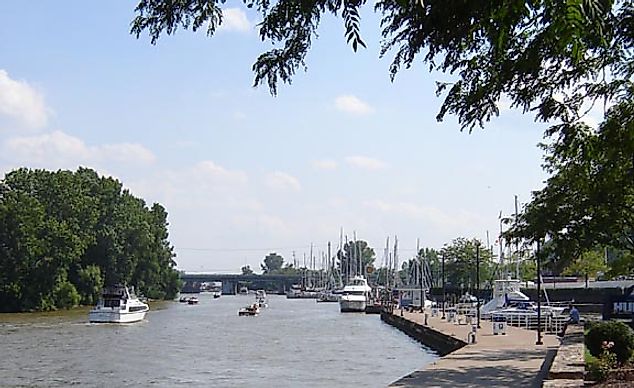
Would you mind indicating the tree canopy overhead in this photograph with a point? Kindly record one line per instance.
(556, 59)
(550, 56)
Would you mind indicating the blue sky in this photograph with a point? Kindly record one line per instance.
(241, 172)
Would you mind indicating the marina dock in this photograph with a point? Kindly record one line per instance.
(510, 360)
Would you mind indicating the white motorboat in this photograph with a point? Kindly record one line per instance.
(355, 295)
(251, 310)
(216, 289)
(260, 298)
(511, 305)
(244, 290)
(118, 305)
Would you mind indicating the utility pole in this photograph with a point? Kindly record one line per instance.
(539, 294)
(420, 263)
(444, 291)
(478, 280)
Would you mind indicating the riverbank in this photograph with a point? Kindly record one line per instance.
(65, 314)
(494, 360)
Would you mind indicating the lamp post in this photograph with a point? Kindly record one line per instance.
(478, 281)
(539, 294)
(444, 292)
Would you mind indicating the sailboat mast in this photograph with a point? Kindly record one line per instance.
(396, 273)
(517, 247)
(388, 270)
(501, 249)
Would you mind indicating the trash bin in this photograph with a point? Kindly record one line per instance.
(499, 327)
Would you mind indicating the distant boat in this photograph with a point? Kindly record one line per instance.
(192, 300)
(355, 295)
(327, 296)
(251, 310)
(118, 305)
(244, 290)
(216, 289)
(260, 298)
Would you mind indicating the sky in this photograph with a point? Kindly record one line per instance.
(240, 172)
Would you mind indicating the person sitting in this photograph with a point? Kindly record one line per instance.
(574, 315)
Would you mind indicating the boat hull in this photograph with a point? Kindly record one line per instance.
(104, 316)
(352, 306)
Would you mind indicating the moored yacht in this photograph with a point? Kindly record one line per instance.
(355, 295)
(511, 305)
(118, 305)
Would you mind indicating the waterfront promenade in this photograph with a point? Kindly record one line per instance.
(511, 360)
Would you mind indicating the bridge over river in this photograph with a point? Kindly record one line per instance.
(231, 283)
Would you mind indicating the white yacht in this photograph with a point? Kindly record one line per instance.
(355, 295)
(513, 306)
(118, 305)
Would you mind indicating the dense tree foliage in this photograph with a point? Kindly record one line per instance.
(588, 264)
(589, 199)
(272, 263)
(64, 234)
(246, 270)
(460, 263)
(355, 258)
(530, 50)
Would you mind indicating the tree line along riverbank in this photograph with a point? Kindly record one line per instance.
(65, 234)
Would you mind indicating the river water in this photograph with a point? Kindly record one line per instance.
(292, 343)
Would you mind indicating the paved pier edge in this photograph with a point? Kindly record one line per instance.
(437, 341)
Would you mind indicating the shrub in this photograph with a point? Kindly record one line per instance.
(611, 331)
(66, 295)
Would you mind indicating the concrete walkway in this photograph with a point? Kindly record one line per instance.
(511, 360)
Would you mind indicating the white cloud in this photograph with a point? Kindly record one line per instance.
(234, 19)
(126, 152)
(352, 104)
(60, 150)
(282, 181)
(366, 163)
(325, 164)
(21, 102)
(210, 171)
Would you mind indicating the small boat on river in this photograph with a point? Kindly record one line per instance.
(192, 300)
(216, 289)
(118, 305)
(260, 299)
(251, 310)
